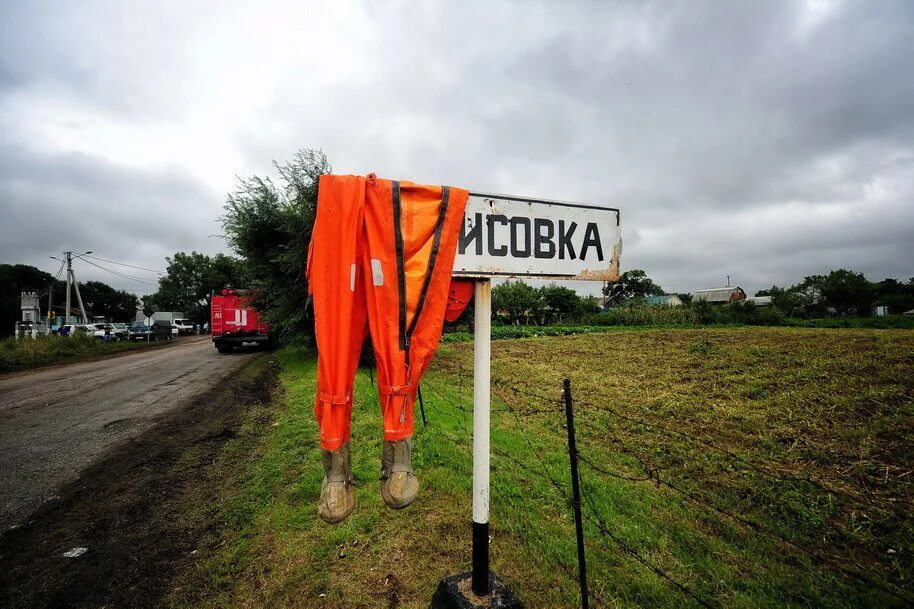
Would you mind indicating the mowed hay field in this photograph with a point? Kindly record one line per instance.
(731, 467)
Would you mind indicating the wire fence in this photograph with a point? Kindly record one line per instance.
(521, 402)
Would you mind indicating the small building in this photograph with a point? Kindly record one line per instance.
(665, 300)
(30, 323)
(759, 301)
(720, 295)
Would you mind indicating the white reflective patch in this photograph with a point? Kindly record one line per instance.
(352, 277)
(377, 275)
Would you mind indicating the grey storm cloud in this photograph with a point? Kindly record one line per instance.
(766, 141)
(75, 202)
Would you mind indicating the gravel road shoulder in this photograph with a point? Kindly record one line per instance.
(140, 509)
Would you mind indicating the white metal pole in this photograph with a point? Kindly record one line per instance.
(66, 318)
(79, 299)
(482, 351)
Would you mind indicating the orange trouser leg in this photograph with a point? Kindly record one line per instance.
(411, 241)
(384, 250)
(339, 301)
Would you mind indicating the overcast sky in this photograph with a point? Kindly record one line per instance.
(763, 140)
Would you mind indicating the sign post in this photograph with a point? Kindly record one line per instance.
(482, 368)
(503, 236)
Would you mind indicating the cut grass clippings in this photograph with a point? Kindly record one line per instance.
(737, 467)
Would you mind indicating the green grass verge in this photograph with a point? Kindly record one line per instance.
(790, 450)
(22, 354)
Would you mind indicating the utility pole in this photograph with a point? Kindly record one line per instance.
(728, 281)
(69, 258)
(71, 280)
(50, 307)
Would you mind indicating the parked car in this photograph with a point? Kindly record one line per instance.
(71, 329)
(159, 330)
(120, 330)
(138, 331)
(184, 326)
(167, 329)
(103, 331)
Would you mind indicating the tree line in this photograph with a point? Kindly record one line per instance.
(841, 292)
(99, 298)
(268, 225)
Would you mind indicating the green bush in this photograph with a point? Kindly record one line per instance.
(746, 313)
(705, 312)
(20, 354)
(643, 316)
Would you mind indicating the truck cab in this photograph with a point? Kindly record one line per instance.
(234, 322)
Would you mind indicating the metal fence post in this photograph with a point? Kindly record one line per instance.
(576, 495)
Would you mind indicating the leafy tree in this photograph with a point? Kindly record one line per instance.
(102, 299)
(897, 296)
(807, 296)
(632, 284)
(191, 278)
(686, 297)
(562, 303)
(269, 226)
(98, 297)
(847, 292)
(781, 298)
(590, 305)
(516, 301)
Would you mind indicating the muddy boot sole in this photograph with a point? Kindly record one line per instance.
(337, 498)
(400, 490)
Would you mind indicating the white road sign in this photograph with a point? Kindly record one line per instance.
(505, 236)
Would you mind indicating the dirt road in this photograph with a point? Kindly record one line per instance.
(56, 422)
(129, 464)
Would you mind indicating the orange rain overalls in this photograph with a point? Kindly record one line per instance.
(382, 250)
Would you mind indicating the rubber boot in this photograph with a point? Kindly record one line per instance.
(337, 491)
(400, 485)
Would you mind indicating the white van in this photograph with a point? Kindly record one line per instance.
(185, 326)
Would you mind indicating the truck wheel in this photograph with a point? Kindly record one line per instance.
(223, 348)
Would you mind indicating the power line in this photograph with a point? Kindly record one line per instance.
(118, 273)
(139, 268)
(60, 270)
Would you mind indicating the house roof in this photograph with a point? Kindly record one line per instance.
(716, 294)
(662, 299)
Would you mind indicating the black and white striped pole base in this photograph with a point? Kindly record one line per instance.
(485, 589)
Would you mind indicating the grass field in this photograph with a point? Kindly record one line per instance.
(22, 354)
(729, 467)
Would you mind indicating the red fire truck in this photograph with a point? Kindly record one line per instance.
(234, 321)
